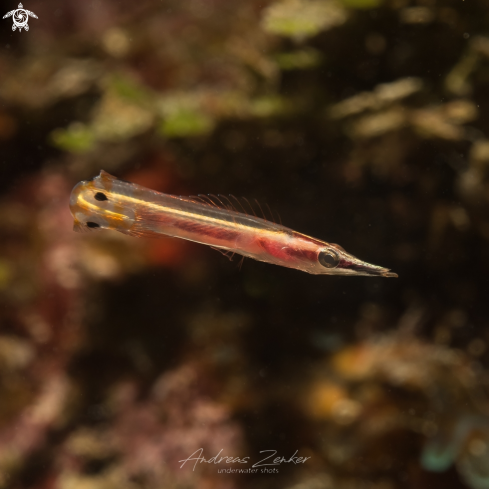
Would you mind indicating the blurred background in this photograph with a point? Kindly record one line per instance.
(361, 122)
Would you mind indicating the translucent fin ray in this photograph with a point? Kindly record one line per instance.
(241, 205)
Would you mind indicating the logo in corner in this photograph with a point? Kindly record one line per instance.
(20, 17)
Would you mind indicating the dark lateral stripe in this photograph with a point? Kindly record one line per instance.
(304, 254)
(276, 249)
(206, 230)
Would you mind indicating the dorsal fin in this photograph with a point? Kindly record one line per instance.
(241, 205)
(250, 206)
(238, 202)
(228, 204)
(220, 203)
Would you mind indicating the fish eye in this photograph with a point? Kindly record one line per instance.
(92, 225)
(328, 259)
(100, 197)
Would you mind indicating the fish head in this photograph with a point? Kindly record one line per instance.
(332, 259)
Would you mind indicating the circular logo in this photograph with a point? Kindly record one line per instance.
(20, 19)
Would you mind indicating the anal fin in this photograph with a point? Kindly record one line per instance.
(226, 253)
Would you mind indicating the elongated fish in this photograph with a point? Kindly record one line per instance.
(106, 202)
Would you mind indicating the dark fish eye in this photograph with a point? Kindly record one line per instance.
(100, 197)
(328, 259)
(93, 224)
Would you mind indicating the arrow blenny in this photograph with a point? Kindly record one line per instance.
(106, 202)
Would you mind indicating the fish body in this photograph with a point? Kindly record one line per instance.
(106, 202)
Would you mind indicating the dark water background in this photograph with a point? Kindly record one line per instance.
(362, 123)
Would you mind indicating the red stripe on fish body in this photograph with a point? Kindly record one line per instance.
(284, 249)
